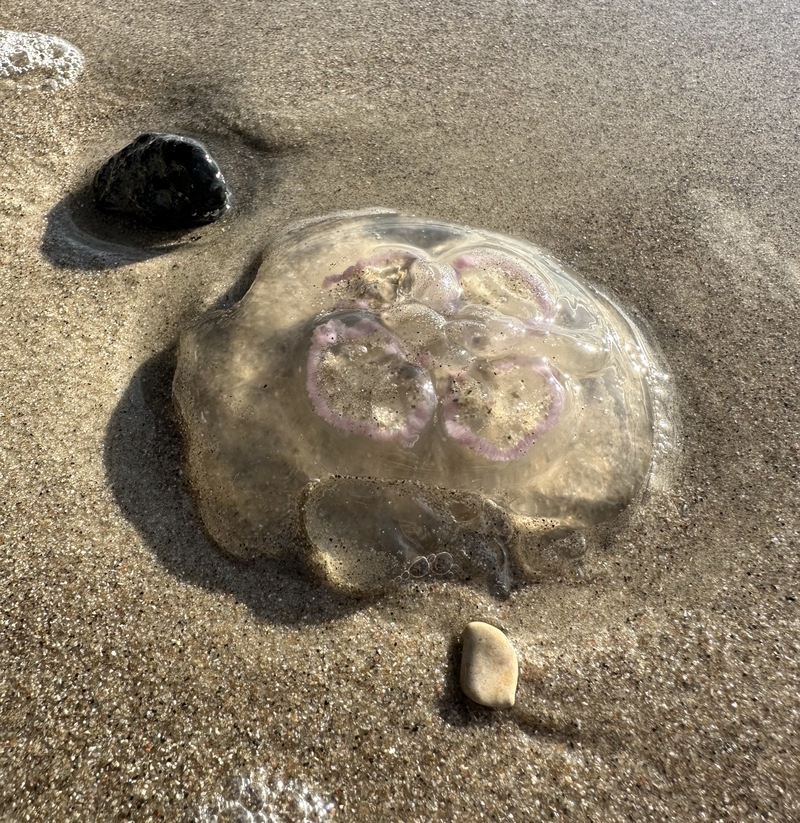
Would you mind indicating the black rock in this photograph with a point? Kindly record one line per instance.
(169, 181)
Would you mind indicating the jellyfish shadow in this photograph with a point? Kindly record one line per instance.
(142, 460)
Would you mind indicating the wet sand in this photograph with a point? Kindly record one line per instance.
(651, 147)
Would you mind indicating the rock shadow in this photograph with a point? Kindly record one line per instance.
(78, 236)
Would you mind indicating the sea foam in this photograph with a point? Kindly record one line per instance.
(33, 60)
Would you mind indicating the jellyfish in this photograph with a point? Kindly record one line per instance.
(397, 399)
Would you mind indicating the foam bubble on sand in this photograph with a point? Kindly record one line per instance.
(264, 798)
(34, 60)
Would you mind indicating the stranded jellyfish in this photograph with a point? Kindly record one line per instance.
(398, 399)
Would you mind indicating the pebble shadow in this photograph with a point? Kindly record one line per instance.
(458, 711)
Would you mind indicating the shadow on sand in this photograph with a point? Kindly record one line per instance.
(77, 236)
(143, 467)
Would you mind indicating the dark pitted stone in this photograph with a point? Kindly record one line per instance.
(169, 181)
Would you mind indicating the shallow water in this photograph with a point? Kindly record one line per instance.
(651, 148)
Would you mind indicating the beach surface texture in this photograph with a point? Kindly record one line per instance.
(144, 675)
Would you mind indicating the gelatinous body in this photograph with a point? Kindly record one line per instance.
(409, 399)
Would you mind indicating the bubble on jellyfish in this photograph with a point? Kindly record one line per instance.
(398, 399)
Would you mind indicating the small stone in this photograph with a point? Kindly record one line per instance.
(169, 181)
(489, 666)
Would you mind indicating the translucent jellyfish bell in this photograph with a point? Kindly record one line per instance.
(400, 399)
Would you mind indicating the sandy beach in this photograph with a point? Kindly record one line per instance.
(653, 148)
